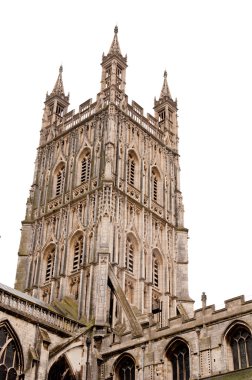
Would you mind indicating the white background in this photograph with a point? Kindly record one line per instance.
(205, 46)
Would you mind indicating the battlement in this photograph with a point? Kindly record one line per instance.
(88, 108)
(208, 314)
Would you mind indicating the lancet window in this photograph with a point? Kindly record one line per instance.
(131, 170)
(108, 76)
(119, 72)
(129, 256)
(50, 265)
(60, 177)
(132, 164)
(155, 271)
(161, 115)
(155, 181)
(59, 110)
(85, 167)
(78, 253)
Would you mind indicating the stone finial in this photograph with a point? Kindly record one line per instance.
(59, 87)
(203, 300)
(165, 89)
(115, 48)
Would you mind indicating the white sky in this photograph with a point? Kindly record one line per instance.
(205, 45)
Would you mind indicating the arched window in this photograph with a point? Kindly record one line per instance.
(155, 185)
(178, 355)
(241, 346)
(131, 168)
(125, 369)
(60, 177)
(10, 355)
(155, 271)
(49, 265)
(78, 253)
(129, 256)
(85, 167)
(61, 370)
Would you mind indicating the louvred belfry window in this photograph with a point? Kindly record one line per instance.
(60, 181)
(78, 253)
(155, 269)
(129, 257)
(108, 76)
(155, 188)
(85, 167)
(161, 115)
(241, 345)
(59, 110)
(49, 265)
(119, 72)
(131, 170)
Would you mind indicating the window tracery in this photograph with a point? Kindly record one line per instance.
(178, 355)
(10, 355)
(241, 346)
(125, 369)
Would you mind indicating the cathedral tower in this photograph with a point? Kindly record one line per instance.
(104, 222)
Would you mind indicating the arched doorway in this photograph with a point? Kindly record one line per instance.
(125, 369)
(61, 370)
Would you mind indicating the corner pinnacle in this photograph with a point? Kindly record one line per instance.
(165, 89)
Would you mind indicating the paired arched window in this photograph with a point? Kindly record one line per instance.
(85, 167)
(178, 355)
(50, 265)
(125, 369)
(10, 355)
(241, 346)
(78, 253)
(59, 180)
(129, 255)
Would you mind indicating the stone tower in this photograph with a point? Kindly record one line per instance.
(104, 221)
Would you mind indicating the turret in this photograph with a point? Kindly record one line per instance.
(113, 79)
(165, 111)
(56, 105)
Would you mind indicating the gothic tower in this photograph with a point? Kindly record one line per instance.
(104, 221)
